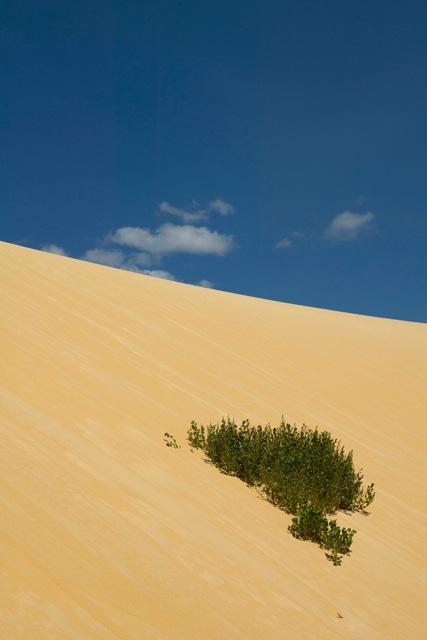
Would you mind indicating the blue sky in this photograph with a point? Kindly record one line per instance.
(275, 149)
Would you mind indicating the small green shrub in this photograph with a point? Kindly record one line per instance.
(196, 436)
(303, 471)
(337, 540)
(311, 524)
(170, 441)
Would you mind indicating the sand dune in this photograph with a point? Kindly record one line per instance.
(107, 533)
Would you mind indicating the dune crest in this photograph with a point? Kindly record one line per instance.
(107, 533)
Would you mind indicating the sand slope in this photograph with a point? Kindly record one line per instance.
(106, 533)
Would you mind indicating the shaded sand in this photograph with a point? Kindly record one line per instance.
(107, 533)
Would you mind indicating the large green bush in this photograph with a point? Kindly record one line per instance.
(302, 471)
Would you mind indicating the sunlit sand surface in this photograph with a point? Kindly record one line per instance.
(106, 533)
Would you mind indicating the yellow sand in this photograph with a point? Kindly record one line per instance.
(107, 533)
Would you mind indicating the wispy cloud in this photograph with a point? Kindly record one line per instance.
(349, 226)
(104, 256)
(128, 262)
(289, 240)
(221, 206)
(199, 215)
(171, 238)
(159, 273)
(284, 243)
(195, 213)
(206, 283)
(117, 258)
(54, 248)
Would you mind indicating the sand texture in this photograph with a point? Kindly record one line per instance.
(108, 534)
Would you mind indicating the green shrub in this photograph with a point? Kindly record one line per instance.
(337, 540)
(311, 524)
(293, 466)
(303, 471)
(196, 436)
(170, 441)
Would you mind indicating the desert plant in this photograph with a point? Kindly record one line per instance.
(170, 441)
(305, 472)
(196, 436)
(337, 540)
(311, 524)
(293, 466)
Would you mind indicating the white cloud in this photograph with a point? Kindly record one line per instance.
(220, 205)
(170, 238)
(206, 283)
(159, 273)
(139, 259)
(104, 256)
(289, 240)
(285, 243)
(187, 216)
(130, 262)
(348, 225)
(54, 248)
(119, 259)
(196, 214)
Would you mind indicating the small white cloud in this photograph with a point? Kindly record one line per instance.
(118, 259)
(159, 273)
(221, 206)
(104, 256)
(348, 225)
(139, 259)
(170, 238)
(285, 243)
(195, 213)
(186, 216)
(206, 283)
(289, 240)
(54, 248)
